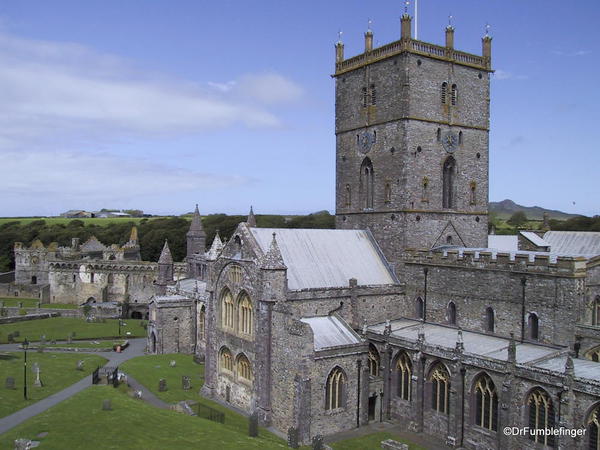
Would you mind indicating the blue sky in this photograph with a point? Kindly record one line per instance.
(160, 105)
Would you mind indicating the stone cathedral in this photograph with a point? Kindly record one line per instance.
(403, 313)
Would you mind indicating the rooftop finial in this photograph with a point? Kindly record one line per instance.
(450, 20)
(406, 4)
(487, 29)
(369, 23)
(340, 32)
(251, 221)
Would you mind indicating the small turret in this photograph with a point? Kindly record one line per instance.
(133, 237)
(450, 37)
(405, 23)
(196, 237)
(368, 40)
(273, 259)
(339, 49)
(251, 221)
(486, 44)
(165, 270)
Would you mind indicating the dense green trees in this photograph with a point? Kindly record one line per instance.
(152, 232)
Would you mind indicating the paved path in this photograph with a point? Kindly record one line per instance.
(136, 348)
(146, 394)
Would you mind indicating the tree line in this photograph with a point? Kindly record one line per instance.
(151, 232)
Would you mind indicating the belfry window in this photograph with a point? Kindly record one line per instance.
(334, 389)
(489, 320)
(366, 183)
(486, 403)
(444, 92)
(533, 324)
(364, 97)
(448, 182)
(451, 313)
(541, 416)
(404, 370)
(419, 308)
(454, 95)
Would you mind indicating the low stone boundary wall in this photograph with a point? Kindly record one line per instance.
(14, 319)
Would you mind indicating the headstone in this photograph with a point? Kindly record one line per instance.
(11, 338)
(253, 425)
(390, 444)
(186, 383)
(53, 341)
(16, 333)
(20, 304)
(36, 370)
(43, 339)
(22, 444)
(317, 442)
(10, 383)
(80, 364)
(69, 339)
(173, 363)
(162, 385)
(106, 405)
(138, 394)
(292, 437)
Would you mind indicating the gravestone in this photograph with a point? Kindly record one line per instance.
(253, 425)
(16, 333)
(10, 383)
(106, 405)
(162, 385)
(292, 437)
(390, 444)
(20, 304)
(36, 371)
(53, 341)
(80, 364)
(69, 339)
(317, 442)
(11, 338)
(173, 363)
(186, 383)
(137, 394)
(43, 339)
(22, 444)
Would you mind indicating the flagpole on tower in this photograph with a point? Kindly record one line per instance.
(416, 19)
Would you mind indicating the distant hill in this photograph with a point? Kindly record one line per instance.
(507, 208)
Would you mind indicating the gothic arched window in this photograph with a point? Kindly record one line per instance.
(593, 429)
(444, 92)
(201, 323)
(486, 403)
(227, 307)
(246, 314)
(225, 360)
(454, 94)
(367, 183)
(334, 389)
(451, 313)
(404, 370)
(440, 388)
(448, 182)
(374, 361)
(533, 324)
(541, 415)
(489, 319)
(419, 308)
(244, 369)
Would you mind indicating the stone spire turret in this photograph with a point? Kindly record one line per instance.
(273, 259)
(133, 237)
(196, 237)
(165, 270)
(251, 221)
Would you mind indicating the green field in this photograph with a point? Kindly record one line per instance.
(58, 328)
(87, 221)
(33, 302)
(80, 423)
(57, 371)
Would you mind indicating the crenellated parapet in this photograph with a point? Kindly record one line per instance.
(510, 261)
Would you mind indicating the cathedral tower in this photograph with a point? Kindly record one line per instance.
(412, 125)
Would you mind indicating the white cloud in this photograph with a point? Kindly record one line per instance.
(87, 178)
(60, 91)
(500, 74)
(268, 88)
(571, 53)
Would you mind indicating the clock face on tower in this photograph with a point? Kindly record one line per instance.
(450, 141)
(366, 141)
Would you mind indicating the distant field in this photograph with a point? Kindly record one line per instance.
(63, 220)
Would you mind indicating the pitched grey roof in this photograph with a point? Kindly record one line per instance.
(93, 245)
(330, 331)
(215, 248)
(574, 243)
(327, 258)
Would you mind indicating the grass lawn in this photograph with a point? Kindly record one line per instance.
(80, 423)
(372, 441)
(33, 303)
(57, 371)
(59, 328)
(149, 369)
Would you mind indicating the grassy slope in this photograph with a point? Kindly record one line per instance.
(371, 441)
(57, 371)
(59, 327)
(80, 423)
